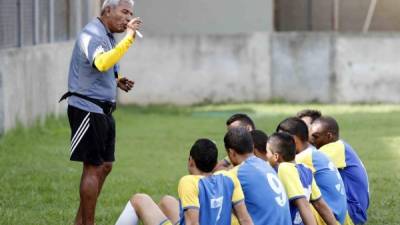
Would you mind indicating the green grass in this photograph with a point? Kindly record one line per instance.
(39, 185)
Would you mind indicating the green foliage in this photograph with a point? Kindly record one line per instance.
(39, 185)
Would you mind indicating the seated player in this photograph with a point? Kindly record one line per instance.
(308, 116)
(260, 143)
(265, 196)
(325, 136)
(297, 179)
(240, 120)
(236, 120)
(204, 198)
(325, 173)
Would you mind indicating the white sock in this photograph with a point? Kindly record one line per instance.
(128, 216)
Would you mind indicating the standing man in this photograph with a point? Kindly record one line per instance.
(92, 87)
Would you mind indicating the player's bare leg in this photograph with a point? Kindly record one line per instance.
(78, 218)
(92, 181)
(142, 207)
(170, 207)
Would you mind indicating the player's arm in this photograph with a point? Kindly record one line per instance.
(105, 60)
(192, 216)
(239, 206)
(241, 213)
(320, 205)
(324, 211)
(305, 211)
(188, 194)
(224, 164)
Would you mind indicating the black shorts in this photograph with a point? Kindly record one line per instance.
(92, 136)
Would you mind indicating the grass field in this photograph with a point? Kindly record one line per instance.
(39, 185)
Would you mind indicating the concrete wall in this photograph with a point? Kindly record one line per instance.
(301, 66)
(330, 68)
(292, 15)
(193, 69)
(367, 68)
(297, 67)
(32, 81)
(190, 69)
(205, 16)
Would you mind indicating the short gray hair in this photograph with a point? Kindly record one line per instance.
(107, 3)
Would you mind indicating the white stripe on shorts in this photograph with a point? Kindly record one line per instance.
(84, 121)
(73, 147)
(80, 132)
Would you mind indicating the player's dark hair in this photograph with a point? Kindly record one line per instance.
(242, 118)
(239, 140)
(260, 140)
(205, 154)
(283, 144)
(330, 124)
(312, 113)
(294, 126)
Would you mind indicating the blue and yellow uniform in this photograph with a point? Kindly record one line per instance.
(299, 183)
(328, 180)
(265, 196)
(213, 195)
(354, 177)
(166, 222)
